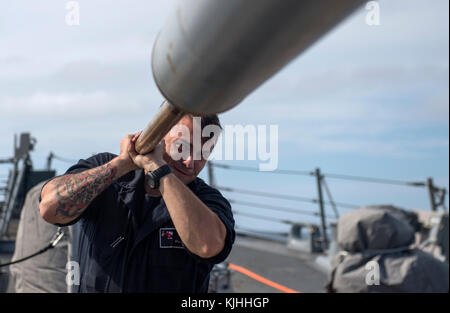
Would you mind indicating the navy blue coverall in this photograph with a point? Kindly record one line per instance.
(127, 241)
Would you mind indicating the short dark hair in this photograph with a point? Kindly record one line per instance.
(208, 120)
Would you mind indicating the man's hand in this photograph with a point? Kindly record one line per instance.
(150, 161)
(124, 156)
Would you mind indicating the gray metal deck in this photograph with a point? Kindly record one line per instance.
(274, 261)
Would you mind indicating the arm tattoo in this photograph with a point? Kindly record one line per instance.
(74, 192)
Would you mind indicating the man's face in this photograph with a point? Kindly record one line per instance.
(186, 169)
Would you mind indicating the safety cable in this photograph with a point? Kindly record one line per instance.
(376, 180)
(284, 197)
(267, 218)
(276, 208)
(56, 238)
(310, 173)
(67, 160)
(333, 204)
(8, 160)
(251, 169)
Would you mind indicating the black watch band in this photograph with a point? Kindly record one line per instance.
(154, 177)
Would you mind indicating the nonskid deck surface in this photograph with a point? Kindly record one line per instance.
(268, 259)
(274, 262)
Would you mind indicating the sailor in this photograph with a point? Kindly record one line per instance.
(146, 223)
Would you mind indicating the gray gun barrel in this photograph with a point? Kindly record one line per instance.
(212, 53)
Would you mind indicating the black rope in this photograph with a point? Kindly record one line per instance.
(56, 238)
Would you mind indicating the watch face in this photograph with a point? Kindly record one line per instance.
(151, 182)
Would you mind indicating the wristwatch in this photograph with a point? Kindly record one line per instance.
(152, 178)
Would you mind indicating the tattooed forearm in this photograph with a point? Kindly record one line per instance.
(74, 192)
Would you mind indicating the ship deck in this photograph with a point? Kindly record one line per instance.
(269, 259)
(275, 262)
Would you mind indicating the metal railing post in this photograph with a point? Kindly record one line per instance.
(211, 179)
(431, 190)
(321, 207)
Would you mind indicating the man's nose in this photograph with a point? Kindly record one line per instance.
(189, 162)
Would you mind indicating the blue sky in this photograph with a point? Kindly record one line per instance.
(364, 100)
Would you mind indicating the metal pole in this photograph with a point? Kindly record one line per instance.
(442, 198)
(12, 201)
(321, 207)
(431, 193)
(49, 161)
(211, 179)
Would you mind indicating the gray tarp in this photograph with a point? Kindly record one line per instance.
(45, 272)
(383, 235)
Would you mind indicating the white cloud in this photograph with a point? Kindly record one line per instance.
(352, 92)
(43, 105)
(371, 147)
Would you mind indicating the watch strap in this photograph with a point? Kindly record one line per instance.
(159, 173)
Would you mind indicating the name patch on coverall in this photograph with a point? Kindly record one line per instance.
(169, 238)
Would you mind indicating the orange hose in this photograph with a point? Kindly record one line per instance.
(261, 279)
